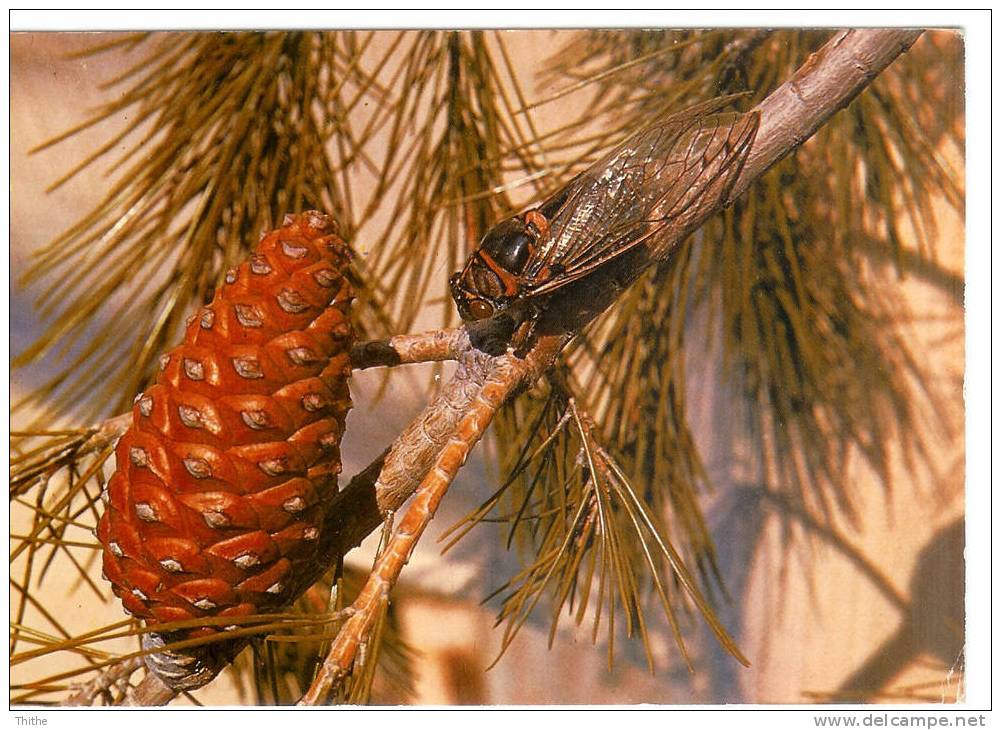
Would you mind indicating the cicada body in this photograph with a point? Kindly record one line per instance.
(651, 192)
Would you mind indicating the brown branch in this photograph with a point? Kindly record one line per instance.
(114, 675)
(151, 692)
(108, 432)
(433, 346)
(824, 84)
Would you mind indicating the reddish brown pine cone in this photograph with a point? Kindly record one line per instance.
(218, 501)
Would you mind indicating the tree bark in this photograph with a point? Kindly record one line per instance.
(824, 85)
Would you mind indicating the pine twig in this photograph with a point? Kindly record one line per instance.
(825, 84)
(433, 346)
(151, 692)
(39, 465)
(104, 682)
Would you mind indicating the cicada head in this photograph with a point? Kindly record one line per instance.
(473, 306)
(490, 280)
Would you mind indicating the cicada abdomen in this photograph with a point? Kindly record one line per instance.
(650, 192)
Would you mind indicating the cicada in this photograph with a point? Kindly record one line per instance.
(651, 191)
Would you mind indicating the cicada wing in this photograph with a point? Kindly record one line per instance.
(649, 191)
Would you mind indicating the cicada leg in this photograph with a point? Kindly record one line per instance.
(524, 336)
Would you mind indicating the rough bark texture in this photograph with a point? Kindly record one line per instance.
(402, 349)
(822, 86)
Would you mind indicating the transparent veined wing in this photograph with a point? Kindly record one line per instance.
(650, 191)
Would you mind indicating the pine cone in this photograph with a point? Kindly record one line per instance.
(218, 501)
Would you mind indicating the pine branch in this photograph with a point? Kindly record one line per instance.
(829, 79)
(405, 349)
(104, 683)
(823, 85)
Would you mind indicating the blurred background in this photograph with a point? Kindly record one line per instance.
(859, 603)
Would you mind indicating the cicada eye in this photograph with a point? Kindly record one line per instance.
(481, 309)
